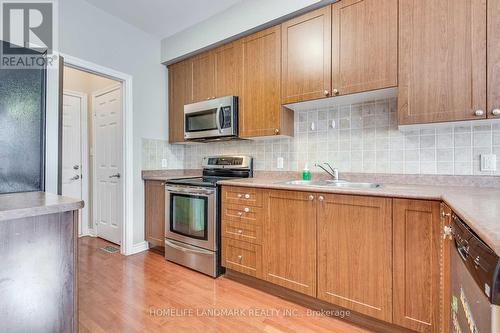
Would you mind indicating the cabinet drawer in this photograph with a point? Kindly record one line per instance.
(242, 213)
(242, 257)
(242, 195)
(242, 231)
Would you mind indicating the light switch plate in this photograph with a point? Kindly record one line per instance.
(164, 163)
(279, 163)
(488, 162)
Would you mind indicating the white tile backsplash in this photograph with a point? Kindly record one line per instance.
(364, 138)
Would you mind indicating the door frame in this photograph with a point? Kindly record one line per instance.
(127, 245)
(94, 166)
(83, 229)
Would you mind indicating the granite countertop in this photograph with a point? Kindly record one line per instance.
(478, 207)
(29, 204)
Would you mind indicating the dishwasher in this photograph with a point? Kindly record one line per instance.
(475, 283)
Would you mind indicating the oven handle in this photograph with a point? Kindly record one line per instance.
(217, 117)
(186, 249)
(181, 190)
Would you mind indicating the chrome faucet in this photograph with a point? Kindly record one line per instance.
(333, 172)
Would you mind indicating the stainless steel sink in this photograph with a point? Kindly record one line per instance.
(330, 183)
(353, 185)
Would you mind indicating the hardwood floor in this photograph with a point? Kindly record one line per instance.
(136, 294)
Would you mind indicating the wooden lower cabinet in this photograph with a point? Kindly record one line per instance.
(289, 241)
(154, 194)
(355, 253)
(418, 270)
(382, 257)
(242, 257)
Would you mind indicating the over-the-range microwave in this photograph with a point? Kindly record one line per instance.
(211, 119)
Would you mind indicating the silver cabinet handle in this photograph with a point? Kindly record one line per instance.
(335, 91)
(246, 210)
(247, 196)
(326, 93)
(76, 177)
(495, 112)
(240, 231)
(479, 113)
(76, 167)
(321, 198)
(311, 197)
(240, 257)
(239, 195)
(115, 176)
(240, 213)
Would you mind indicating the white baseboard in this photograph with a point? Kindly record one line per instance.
(139, 247)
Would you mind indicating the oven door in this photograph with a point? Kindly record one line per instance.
(210, 119)
(191, 215)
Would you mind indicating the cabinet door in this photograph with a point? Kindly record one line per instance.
(228, 67)
(261, 105)
(364, 45)
(155, 212)
(493, 58)
(418, 253)
(179, 94)
(203, 77)
(289, 241)
(306, 56)
(442, 60)
(355, 253)
(445, 265)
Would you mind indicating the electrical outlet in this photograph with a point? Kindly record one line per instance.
(279, 163)
(164, 163)
(488, 162)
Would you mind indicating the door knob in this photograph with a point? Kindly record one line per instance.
(495, 112)
(479, 113)
(76, 177)
(115, 176)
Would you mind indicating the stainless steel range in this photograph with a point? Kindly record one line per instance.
(193, 213)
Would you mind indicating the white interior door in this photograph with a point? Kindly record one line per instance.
(71, 180)
(108, 164)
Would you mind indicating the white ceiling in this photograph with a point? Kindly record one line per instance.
(163, 18)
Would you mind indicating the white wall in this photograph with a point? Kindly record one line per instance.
(90, 34)
(236, 20)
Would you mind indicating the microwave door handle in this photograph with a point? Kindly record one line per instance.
(217, 118)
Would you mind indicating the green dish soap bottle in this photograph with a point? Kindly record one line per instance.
(306, 173)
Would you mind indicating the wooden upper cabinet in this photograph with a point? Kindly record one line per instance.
(202, 77)
(417, 260)
(364, 45)
(155, 212)
(355, 253)
(289, 241)
(179, 94)
(442, 60)
(261, 113)
(493, 58)
(306, 56)
(228, 67)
